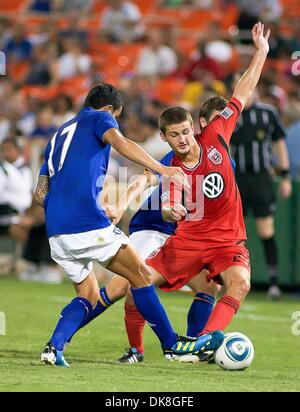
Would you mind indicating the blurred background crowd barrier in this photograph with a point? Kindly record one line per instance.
(159, 53)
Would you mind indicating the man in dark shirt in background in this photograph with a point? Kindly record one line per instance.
(259, 132)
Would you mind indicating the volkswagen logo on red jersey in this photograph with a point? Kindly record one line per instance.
(215, 156)
(213, 185)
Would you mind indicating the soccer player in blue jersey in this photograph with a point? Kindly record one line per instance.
(69, 188)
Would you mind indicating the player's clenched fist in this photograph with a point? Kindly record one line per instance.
(174, 213)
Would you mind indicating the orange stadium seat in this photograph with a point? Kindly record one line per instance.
(229, 17)
(170, 90)
(145, 6)
(18, 71)
(12, 5)
(128, 55)
(196, 19)
(32, 20)
(291, 8)
(187, 44)
(117, 58)
(41, 92)
(75, 86)
(99, 6)
(163, 17)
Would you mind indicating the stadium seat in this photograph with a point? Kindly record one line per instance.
(170, 90)
(75, 87)
(187, 44)
(163, 17)
(41, 92)
(145, 6)
(17, 71)
(99, 6)
(196, 19)
(32, 20)
(12, 5)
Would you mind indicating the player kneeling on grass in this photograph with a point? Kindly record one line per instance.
(69, 188)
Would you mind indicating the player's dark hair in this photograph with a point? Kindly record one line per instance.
(102, 95)
(210, 105)
(173, 115)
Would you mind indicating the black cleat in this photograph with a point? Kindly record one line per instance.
(132, 356)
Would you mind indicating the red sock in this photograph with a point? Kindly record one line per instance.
(222, 314)
(134, 323)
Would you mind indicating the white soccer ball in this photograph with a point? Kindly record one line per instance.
(235, 353)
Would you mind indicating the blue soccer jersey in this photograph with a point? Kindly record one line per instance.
(149, 216)
(76, 161)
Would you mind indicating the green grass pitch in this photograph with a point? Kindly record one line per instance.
(32, 311)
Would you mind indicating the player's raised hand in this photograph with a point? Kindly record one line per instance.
(177, 174)
(259, 38)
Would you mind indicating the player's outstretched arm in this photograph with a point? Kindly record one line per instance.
(134, 190)
(134, 152)
(249, 80)
(41, 190)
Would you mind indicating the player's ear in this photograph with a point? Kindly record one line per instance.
(107, 108)
(202, 122)
(163, 137)
(117, 112)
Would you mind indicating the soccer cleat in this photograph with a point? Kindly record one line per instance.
(132, 356)
(51, 356)
(208, 357)
(185, 345)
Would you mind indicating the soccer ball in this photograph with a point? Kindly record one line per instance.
(235, 353)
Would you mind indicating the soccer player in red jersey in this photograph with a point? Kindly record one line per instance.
(211, 235)
(210, 232)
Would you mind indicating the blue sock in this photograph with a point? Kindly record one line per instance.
(71, 317)
(102, 304)
(149, 306)
(199, 313)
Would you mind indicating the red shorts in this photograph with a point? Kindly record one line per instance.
(179, 260)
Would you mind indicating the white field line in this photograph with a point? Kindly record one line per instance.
(241, 315)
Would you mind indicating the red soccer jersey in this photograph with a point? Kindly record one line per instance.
(215, 205)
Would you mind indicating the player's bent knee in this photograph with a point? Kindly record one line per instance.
(117, 288)
(243, 285)
(145, 274)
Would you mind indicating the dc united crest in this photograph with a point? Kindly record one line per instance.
(213, 185)
(215, 156)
